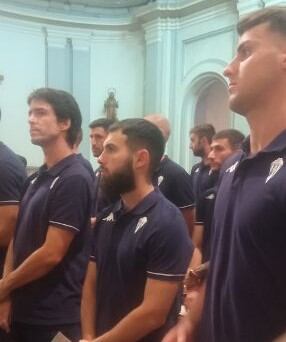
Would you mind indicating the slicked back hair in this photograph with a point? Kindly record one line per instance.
(102, 122)
(65, 108)
(143, 134)
(234, 137)
(274, 16)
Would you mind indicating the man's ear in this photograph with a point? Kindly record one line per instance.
(141, 158)
(283, 61)
(65, 124)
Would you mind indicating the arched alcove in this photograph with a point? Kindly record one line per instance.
(205, 101)
(212, 105)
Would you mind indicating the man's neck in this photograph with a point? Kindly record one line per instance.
(55, 152)
(132, 198)
(264, 127)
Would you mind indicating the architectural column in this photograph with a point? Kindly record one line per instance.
(80, 71)
(58, 64)
(160, 69)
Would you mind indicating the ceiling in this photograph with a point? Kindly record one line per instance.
(86, 3)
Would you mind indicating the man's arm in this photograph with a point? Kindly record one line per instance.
(5, 305)
(197, 239)
(88, 303)
(188, 214)
(185, 330)
(39, 263)
(8, 218)
(150, 315)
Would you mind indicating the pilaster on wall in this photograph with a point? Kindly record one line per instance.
(160, 67)
(80, 71)
(58, 60)
(68, 68)
(247, 6)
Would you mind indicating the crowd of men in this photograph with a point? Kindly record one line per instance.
(102, 256)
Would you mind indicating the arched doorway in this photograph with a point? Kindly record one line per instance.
(212, 104)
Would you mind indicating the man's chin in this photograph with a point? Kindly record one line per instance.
(36, 142)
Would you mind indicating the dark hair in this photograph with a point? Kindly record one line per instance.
(65, 107)
(234, 137)
(79, 138)
(143, 134)
(274, 16)
(102, 122)
(205, 130)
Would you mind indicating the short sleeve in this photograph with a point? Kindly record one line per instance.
(70, 203)
(11, 184)
(169, 250)
(200, 211)
(182, 190)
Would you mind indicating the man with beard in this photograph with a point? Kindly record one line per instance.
(141, 246)
(224, 144)
(47, 258)
(244, 299)
(98, 133)
(201, 175)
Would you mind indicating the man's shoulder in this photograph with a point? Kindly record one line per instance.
(9, 157)
(196, 168)
(169, 166)
(78, 167)
(164, 213)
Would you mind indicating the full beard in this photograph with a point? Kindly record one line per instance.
(119, 182)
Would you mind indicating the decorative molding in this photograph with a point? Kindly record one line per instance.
(80, 16)
(173, 9)
(17, 26)
(247, 6)
(67, 19)
(154, 30)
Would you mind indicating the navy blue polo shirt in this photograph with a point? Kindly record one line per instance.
(246, 289)
(204, 217)
(12, 178)
(174, 183)
(202, 179)
(86, 163)
(60, 196)
(151, 241)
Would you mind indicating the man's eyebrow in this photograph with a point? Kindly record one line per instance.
(247, 43)
(242, 45)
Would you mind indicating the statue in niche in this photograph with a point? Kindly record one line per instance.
(111, 105)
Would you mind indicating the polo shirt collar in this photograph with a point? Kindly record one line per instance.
(278, 144)
(147, 202)
(55, 170)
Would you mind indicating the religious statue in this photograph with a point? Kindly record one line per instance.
(110, 105)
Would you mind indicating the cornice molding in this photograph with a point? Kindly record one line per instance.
(125, 19)
(154, 30)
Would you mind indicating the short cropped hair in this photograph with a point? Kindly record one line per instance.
(143, 134)
(65, 108)
(102, 122)
(274, 16)
(205, 130)
(234, 137)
